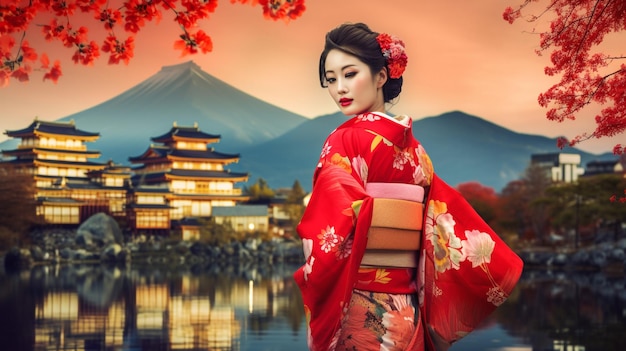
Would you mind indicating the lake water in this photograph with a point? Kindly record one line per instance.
(255, 308)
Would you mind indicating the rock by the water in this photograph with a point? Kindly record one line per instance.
(16, 259)
(113, 253)
(99, 230)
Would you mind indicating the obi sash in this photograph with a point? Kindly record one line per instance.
(395, 232)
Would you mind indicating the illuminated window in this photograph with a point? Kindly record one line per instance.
(183, 185)
(109, 181)
(152, 220)
(61, 214)
(150, 199)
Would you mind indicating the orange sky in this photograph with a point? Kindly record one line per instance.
(462, 56)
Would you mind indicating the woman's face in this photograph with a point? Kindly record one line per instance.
(351, 84)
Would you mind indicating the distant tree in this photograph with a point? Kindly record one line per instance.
(514, 207)
(482, 198)
(576, 31)
(294, 205)
(583, 204)
(620, 196)
(68, 22)
(17, 206)
(216, 234)
(259, 192)
(536, 182)
(522, 204)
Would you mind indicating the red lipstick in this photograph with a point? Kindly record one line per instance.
(345, 102)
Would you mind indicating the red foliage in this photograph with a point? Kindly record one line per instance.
(483, 199)
(577, 28)
(118, 17)
(474, 191)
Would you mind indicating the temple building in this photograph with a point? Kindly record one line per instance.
(70, 187)
(180, 176)
(559, 167)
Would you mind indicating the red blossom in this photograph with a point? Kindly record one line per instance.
(54, 30)
(109, 17)
(28, 53)
(54, 73)
(16, 19)
(510, 15)
(5, 75)
(195, 11)
(86, 53)
(120, 51)
(21, 73)
(588, 76)
(7, 43)
(90, 5)
(190, 43)
(45, 61)
(74, 37)
(63, 8)
(138, 12)
(561, 142)
(282, 9)
(58, 17)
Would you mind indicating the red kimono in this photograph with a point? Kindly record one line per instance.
(465, 270)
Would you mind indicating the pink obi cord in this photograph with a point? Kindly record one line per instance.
(400, 191)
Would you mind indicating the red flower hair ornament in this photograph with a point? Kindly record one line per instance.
(393, 51)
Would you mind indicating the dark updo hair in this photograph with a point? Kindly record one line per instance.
(358, 40)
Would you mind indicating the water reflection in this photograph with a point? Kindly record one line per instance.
(146, 308)
(557, 311)
(259, 308)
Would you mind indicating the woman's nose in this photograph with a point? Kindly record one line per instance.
(341, 86)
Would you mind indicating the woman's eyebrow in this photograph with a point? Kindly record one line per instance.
(342, 68)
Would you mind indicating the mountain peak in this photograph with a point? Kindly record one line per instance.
(184, 70)
(185, 66)
(186, 94)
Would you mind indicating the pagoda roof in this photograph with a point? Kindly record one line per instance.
(112, 169)
(149, 206)
(92, 186)
(158, 152)
(33, 162)
(19, 162)
(178, 133)
(54, 128)
(68, 163)
(150, 178)
(204, 154)
(38, 150)
(110, 172)
(154, 152)
(240, 211)
(151, 190)
(59, 178)
(186, 173)
(60, 200)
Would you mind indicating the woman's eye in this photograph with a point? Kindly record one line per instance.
(330, 80)
(350, 74)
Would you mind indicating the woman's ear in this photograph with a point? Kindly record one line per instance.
(381, 77)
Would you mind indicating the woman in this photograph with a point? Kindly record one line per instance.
(386, 270)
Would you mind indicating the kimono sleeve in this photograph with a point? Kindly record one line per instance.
(466, 271)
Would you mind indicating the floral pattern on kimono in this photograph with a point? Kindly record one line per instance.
(465, 269)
